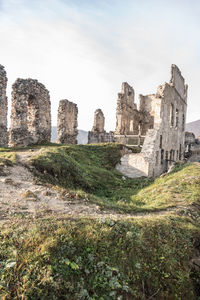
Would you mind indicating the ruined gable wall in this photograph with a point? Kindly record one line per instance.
(67, 122)
(177, 81)
(3, 108)
(30, 113)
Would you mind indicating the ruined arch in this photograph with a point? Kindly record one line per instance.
(30, 113)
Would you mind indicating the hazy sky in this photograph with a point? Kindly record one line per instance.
(82, 50)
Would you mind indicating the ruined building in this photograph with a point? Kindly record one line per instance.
(3, 108)
(30, 113)
(160, 120)
(98, 134)
(157, 125)
(132, 123)
(67, 122)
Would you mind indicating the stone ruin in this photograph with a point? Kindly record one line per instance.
(192, 147)
(3, 108)
(126, 118)
(98, 134)
(161, 122)
(30, 113)
(190, 140)
(130, 121)
(67, 122)
(157, 125)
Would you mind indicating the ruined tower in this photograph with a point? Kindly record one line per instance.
(3, 108)
(67, 122)
(30, 113)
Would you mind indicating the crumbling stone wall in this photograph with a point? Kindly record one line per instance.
(192, 147)
(3, 108)
(165, 130)
(98, 134)
(67, 122)
(127, 116)
(129, 119)
(30, 113)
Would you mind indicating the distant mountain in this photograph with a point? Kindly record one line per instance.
(194, 127)
(54, 133)
(82, 135)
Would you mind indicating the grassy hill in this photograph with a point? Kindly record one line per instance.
(89, 171)
(153, 254)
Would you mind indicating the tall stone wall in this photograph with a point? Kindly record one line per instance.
(3, 108)
(67, 122)
(98, 134)
(127, 116)
(30, 113)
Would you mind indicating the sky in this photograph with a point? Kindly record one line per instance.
(82, 50)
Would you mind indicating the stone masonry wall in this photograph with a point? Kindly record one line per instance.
(99, 121)
(30, 113)
(67, 122)
(3, 108)
(127, 116)
(98, 134)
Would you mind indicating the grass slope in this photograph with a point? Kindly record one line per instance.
(89, 170)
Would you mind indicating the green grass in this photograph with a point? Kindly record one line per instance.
(99, 259)
(89, 171)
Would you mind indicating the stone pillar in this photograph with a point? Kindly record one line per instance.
(3, 108)
(67, 122)
(98, 134)
(99, 121)
(126, 112)
(30, 113)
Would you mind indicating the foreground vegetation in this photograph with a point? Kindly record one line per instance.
(99, 259)
(147, 257)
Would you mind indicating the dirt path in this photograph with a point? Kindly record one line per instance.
(21, 195)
